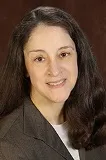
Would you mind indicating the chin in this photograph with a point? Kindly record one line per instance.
(59, 99)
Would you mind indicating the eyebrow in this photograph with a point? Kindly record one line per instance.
(41, 50)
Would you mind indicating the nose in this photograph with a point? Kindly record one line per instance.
(54, 68)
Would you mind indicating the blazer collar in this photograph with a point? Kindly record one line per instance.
(36, 126)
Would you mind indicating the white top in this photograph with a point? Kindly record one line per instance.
(63, 134)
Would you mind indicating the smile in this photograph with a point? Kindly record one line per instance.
(57, 83)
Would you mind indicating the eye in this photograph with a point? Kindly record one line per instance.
(39, 59)
(64, 54)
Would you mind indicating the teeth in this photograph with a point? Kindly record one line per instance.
(56, 83)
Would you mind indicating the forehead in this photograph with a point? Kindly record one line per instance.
(44, 36)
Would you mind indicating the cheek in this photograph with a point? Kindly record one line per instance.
(72, 67)
(72, 71)
(75, 69)
(36, 76)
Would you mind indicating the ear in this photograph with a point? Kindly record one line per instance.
(27, 75)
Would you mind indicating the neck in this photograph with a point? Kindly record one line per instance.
(52, 111)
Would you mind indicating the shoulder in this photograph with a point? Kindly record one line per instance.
(98, 153)
(10, 151)
(8, 121)
(10, 124)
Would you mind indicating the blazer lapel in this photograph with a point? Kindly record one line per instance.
(98, 153)
(82, 154)
(36, 126)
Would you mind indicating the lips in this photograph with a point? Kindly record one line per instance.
(58, 83)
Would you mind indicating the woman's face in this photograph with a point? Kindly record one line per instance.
(51, 63)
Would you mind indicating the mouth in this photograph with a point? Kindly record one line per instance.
(56, 84)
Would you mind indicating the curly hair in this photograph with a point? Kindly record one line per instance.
(85, 109)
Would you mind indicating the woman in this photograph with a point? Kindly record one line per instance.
(53, 100)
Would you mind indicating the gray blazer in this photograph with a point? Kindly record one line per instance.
(26, 135)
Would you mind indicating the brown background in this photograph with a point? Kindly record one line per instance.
(91, 16)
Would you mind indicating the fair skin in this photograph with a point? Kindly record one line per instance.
(51, 63)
